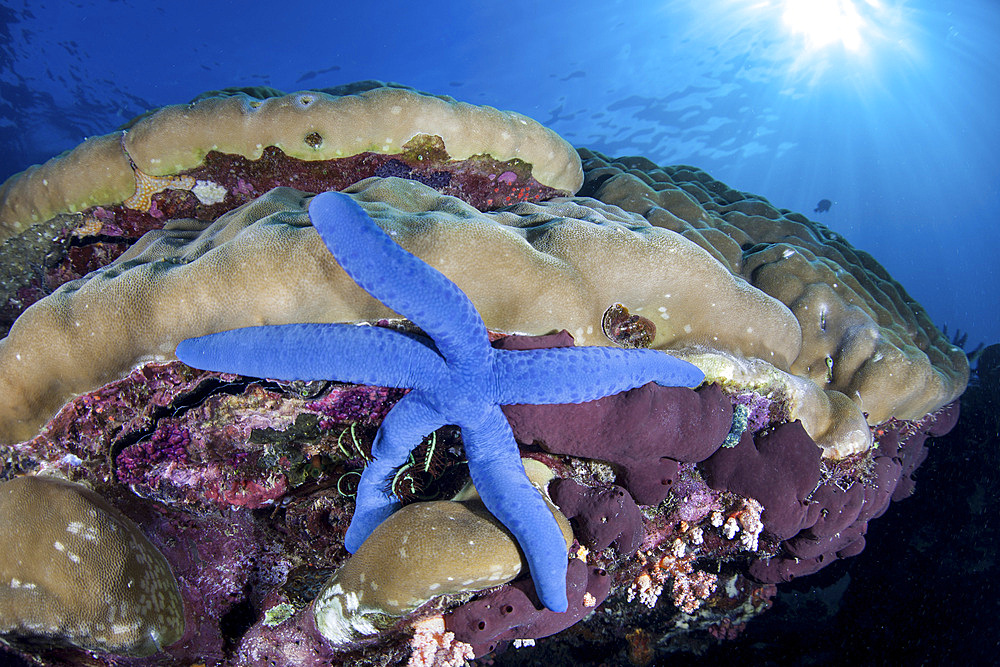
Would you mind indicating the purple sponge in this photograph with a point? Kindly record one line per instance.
(880, 490)
(804, 546)
(518, 342)
(837, 520)
(832, 509)
(779, 468)
(601, 516)
(514, 612)
(644, 432)
(777, 570)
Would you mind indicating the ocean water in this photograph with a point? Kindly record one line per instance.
(889, 112)
(885, 108)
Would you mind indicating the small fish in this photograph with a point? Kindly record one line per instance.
(823, 206)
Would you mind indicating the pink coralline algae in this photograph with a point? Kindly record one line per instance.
(168, 446)
(433, 646)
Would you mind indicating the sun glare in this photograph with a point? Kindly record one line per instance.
(823, 23)
(808, 41)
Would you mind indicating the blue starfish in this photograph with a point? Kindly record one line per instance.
(455, 377)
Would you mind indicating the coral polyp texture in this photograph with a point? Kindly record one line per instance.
(74, 569)
(682, 507)
(171, 143)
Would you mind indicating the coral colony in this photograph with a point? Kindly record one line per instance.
(626, 402)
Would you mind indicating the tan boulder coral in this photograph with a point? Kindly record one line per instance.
(312, 126)
(533, 268)
(864, 340)
(421, 551)
(73, 568)
(758, 297)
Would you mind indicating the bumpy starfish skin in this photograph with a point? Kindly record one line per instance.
(455, 375)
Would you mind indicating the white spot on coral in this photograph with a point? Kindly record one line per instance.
(59, 546)
(208, 192)
(434, 587)
(88, 533)
(687, 328)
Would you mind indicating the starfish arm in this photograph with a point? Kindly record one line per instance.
(400, 280)
(578, 374)
(342, 352)
(402, 429)
(499, 477)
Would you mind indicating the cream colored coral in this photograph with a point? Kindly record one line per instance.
(798, 315)
(306, 125)
(421, 551)
(864, 341)
(72, 568)
(534, 268)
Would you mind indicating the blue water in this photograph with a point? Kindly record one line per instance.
(895, 120)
